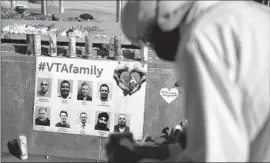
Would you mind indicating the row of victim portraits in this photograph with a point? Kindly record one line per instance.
(85, 103)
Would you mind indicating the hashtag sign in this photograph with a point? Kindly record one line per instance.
(41, 66)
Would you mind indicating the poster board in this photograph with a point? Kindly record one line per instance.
(72, 96)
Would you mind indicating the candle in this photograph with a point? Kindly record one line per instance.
(72, 45)
(117, 48)
(144, 53)
(53, 44)
(88, 46)
(23, 147)
(30, 43)
(37, 43)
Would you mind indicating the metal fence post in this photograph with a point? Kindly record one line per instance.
(13, 4)
(61, 6)
(44, 7)
(118, 10)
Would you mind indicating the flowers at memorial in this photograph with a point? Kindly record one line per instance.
(79, 31)
(15, 28)
(23, 29)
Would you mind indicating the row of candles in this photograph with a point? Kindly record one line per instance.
(115, 51)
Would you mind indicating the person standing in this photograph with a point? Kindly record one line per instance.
(222, 49)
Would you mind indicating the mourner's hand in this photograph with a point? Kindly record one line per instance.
(121, 148)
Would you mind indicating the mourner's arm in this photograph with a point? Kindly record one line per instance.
(214, 99)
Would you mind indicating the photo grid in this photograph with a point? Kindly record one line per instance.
(95, 104)
(87, 120)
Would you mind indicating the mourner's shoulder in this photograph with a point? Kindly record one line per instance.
(224, 16)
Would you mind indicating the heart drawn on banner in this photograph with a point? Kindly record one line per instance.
(130, 79)
(169, 95)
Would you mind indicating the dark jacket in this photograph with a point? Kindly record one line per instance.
(116, 129)
(80, 97)
(43, 123)
(101, 128)
(59, 124)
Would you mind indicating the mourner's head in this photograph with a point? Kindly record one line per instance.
(155, 22)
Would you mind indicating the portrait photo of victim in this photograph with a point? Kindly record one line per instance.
(82, 121)
(85, 91)
(63, 116)
(42, 116)
(44, 87)
(103, 121)
(104, 92)
(122, 123)
(65, 89)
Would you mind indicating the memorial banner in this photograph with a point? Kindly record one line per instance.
(90, 97)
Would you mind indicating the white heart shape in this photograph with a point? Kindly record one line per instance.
(169, 95)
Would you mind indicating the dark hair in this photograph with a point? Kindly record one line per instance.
(63, 111)
(104, 85)
(65, 81)
(103, 114)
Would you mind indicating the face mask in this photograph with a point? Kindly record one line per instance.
(165, 43)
